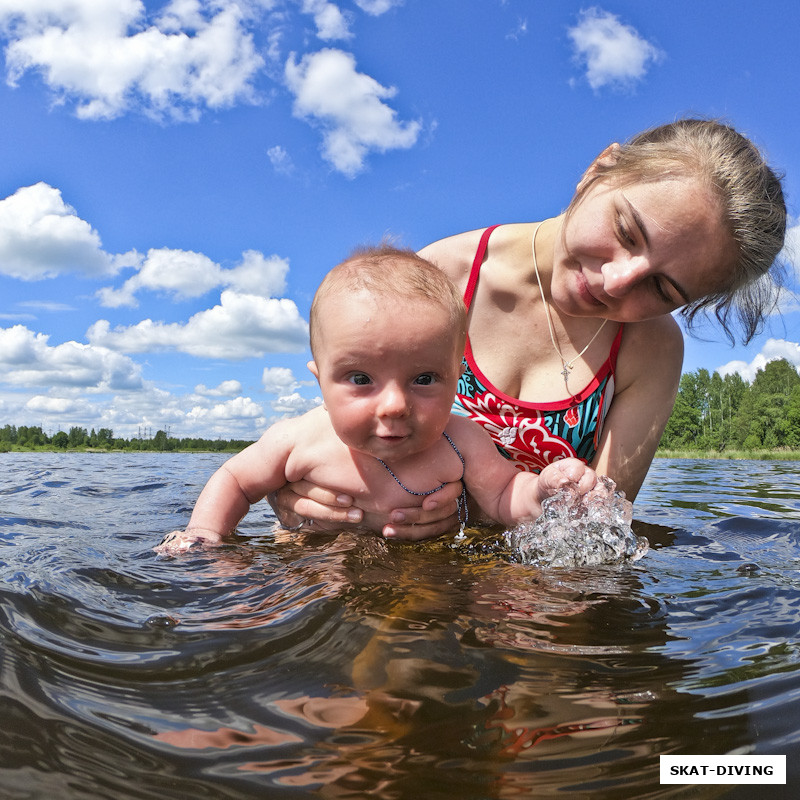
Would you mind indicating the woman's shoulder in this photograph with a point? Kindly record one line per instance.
(455, 254)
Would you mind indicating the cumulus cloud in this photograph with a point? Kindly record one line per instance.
(773, 350)
(294, 404)
(279, 380)
(241, 326)
(43, 404)
(26, 359)
(106, 57)
(348, 106)
(330, 20)
(229, 388)
(41, 236)
(614, 54)
(235, 409)
(184, 274)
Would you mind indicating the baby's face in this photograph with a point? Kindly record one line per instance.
(388, 371)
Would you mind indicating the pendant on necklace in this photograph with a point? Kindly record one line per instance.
(566, 373)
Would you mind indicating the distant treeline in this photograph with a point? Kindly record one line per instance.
(711, 413)
(34, 438)
(716, 413)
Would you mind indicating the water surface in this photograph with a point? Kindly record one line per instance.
(291, 666)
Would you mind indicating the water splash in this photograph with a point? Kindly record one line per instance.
(580, 531)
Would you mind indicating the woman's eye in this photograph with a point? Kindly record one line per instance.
(662, 292)
(425, 379)
(360, 379)
(623, 233)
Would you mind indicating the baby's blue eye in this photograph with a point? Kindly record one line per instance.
(425, 379)
(360, 379)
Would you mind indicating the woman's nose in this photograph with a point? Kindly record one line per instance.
(622, 274)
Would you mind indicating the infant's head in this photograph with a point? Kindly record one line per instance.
(387, 337)
(399, 280)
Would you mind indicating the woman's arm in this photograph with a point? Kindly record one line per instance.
(647, 378)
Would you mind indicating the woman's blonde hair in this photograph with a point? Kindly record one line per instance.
(751, 199)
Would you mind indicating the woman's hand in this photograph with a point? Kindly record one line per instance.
(297, 503)
(438, 515)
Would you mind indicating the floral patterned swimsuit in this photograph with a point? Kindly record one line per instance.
(534, 435)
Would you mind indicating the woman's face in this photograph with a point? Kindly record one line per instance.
(630, 253)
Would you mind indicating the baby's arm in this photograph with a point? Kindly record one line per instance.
(505, 493)
(241, 481)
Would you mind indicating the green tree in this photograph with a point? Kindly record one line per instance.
(78, 437)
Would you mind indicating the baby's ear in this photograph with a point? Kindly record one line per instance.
(312, 365)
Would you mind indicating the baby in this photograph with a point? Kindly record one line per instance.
(387, 336)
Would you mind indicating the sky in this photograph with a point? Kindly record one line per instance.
(177, 177)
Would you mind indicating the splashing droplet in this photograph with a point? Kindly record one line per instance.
(579, 531)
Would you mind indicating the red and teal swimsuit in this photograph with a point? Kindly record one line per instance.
(534, 434)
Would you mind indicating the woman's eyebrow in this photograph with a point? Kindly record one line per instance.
(637, 218)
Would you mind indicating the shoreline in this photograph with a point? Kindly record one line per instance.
(730, 455)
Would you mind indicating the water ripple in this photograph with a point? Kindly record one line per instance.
(289, 665)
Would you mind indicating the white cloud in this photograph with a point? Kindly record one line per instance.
(26, 359)
(41, 236)
(235, 409)
(241, 326)
(348, 106)
(772, 350)
(229, 388)
(378, 7)
(294, 404)
(107, 58)
(184, 274)
(279, 380)
(281, 160)
(44, 305)
(42, 404)
(258, 274)
(790, 254)
(331, 22)
(613, 53)
(103, 55)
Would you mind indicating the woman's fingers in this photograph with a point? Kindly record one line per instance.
(296, 503)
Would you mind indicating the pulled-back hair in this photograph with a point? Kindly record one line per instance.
(751, 200)
(394, 273)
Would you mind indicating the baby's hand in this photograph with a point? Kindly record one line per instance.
(180, 541)
(566, 472)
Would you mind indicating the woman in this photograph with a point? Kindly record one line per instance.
(572, 347)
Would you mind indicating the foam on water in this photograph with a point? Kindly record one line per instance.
(579, 531)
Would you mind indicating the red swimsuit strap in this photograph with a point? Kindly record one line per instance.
(476, 265)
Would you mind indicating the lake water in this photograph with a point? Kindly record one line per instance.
(288, 666)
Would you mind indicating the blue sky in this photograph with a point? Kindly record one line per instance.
(177, 176)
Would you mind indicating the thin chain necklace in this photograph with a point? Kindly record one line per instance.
(463, 511)
(568, 365)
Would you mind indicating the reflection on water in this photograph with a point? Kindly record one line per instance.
(291, 666)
